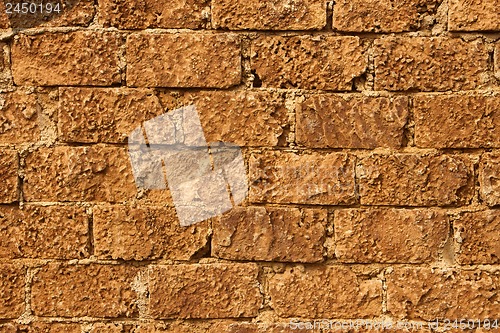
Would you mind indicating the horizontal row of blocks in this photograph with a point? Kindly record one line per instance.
(348, 15)
(258, 118)
(238, 290)
(214, 60)
(279, 234)
(104, 174)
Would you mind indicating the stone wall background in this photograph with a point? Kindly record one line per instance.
(370, 131)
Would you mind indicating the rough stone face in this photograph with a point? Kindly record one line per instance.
(477, 234)
(272, 15)
(49, 328)
(71, 58)
(266, 328)
(429, 293)
(323, 292)
(145, 233)
(497, 61)
(414, 180)
(287, 177)
(474, 15)
(334, 121)
(183, 60)
(307, 62)
(19, 118)
(135, 14)
(245, 118)
(104, 115)
(73, 13)
(188, 326)
(8, 328)
(5, 72)
(270, 234)
(489, 173)
(12, 281)
(429, 64)
(79, 174)
(9, 164)
(85, 290)
(55, 232)
(381, 16)
(457, 121)
(204, 291)
(389, 235)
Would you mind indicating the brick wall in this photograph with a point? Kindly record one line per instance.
(371, 136)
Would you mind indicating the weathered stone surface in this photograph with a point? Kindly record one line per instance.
(183, 60)
(429, 63)
(70, 58)
(389, 235)
(204, 291)
(19, 118)
(497, 61)
(145, 233)
(415, 180)
(381, 16)
(95, 173)
(85, 290)
(8, 328)
(489, 173)
(478, 237)
(9, 181)
(429, 293)
(12, 281)
(457, 121)
(136, 14)
(323, 292)
(270, 234)
(287, 177)
(104, 115)
(5, 72)
(72, 13)
(307, 62)
(288, 327)
(474, 15)
(108, 328)
(245, 118)
(337, 121)
(54, 232)
(272, 15)
(39, 327)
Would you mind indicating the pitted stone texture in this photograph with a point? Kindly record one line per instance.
(389, 235)
(94, 173)
(431, 293)
(489, 173)
(9, 163)
(457, 121)
(308, 62)
(334, 121)
(141, 233)
(415, 180)
(85, 290)
(70, 58)
(323, 292)
(204, 291)
(104, 115)
(19, 122)
(52, 232)
(270, 234)
(272, 15)
(8, 328)
(474, 15)
(381, 16)
(429, 64)
(478, 237)
(183, 60)
(244, 118)
(72, 13)
(12, 281)
(136, 14)
(5, 72)
(285, 327)
(287, 177)
(55, 327)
